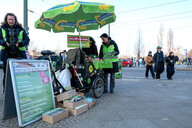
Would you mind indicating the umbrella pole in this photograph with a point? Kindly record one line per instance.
(80, 39)
(79, 33)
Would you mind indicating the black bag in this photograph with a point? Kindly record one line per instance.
(114, 69)
(115, 66)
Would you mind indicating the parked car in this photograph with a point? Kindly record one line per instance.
(127, 63)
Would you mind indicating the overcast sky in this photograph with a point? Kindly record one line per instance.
(147, 15)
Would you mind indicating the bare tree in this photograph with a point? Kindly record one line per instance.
(32, 48)
(179, 52)
(160, 36)
(126, 51)
(190, 53)
(139, 46)
(170, 45)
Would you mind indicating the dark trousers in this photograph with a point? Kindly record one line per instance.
(160, 69)
(112, 81)
(170, 71)
(157, 75)
(4, 71)
(5, 68)
(148, 67)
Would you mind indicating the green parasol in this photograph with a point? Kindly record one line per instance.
(78, 15)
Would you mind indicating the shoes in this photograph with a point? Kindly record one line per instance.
(146, 77)
(105, 91)
(158, 79)
(170, 78)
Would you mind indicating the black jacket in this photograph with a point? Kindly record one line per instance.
(111, 43)
(91, 51)
(170, 60)
(25, 41)
(158, 67)
(115, 64)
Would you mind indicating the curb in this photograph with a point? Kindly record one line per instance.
(183, 69)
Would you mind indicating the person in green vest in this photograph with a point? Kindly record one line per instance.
(13, 40)
(108, 52)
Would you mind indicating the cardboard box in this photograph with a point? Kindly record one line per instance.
(55, 115)
(72, 105)
(81, 94)
(91, 104)
(59, 105)
(78, 110)
(66, 95)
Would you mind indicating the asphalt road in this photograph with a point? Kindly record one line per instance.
(136, 103)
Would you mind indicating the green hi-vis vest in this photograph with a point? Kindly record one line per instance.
(20, 38)
(106, 54)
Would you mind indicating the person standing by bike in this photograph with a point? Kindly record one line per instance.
(108, 53)
(93, 48)
(149, 65)
(13, 40)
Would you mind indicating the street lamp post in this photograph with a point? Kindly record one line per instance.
(25, 22)
(25, 13)
(109, 30)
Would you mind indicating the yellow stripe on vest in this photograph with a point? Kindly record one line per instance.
(20, 38)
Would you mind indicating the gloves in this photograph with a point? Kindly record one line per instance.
(20, 44)
(5, 44)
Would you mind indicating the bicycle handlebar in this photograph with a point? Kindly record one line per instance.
(47, 52)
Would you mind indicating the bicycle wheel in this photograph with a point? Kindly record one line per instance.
(98, 87)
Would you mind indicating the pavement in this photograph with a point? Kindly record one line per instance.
(137, 102)
(184, 67)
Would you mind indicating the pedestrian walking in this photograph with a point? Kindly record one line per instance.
(158, 60)
(108, 52)
(149, 65)
(140, 62)
(143, 61)
(13, 40)
(189, 61)
(171, 60)
(134, 62)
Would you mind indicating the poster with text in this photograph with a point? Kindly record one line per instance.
(32, 89)
(73, 41)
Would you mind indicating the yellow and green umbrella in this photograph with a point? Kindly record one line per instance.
(78, 15)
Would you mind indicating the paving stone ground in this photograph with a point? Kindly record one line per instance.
(136, 103)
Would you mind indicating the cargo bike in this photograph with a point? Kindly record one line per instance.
(86, 72)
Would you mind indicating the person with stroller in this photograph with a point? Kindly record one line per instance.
(149, 65)
(108, 53)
